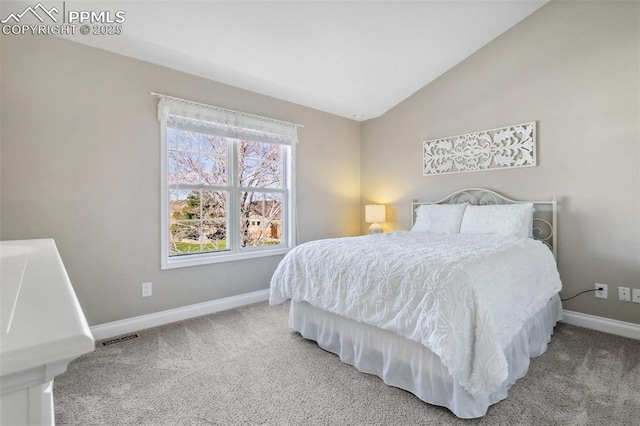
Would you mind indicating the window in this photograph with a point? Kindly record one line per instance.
(227, 184)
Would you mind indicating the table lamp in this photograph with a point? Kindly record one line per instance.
(374, 214)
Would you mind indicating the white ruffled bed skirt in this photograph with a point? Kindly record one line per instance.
(410, 366)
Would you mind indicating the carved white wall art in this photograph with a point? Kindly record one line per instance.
(506, 147)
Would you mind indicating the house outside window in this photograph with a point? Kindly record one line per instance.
(228, 188)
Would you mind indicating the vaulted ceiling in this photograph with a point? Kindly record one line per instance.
(356, 59)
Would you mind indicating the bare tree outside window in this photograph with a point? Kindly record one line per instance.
(260, 167)
(201, 188)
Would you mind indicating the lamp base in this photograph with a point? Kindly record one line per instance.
(375, 228)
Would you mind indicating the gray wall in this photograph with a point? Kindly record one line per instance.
(80, 163)
(575, 68)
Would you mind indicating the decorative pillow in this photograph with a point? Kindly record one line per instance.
(502, 219)
(439, 218)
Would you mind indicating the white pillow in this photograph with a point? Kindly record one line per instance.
(503, 219)
(439, 218)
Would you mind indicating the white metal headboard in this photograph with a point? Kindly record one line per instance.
(545, 225)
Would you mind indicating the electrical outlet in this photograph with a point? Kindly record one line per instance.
(146, 289)
(602, 294)
(635, 295)
(624, 294)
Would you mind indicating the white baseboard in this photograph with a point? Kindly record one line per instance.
(620, 328)
(116, 328)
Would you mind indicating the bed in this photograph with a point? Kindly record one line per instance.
(450, 311)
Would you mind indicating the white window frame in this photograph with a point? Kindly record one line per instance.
(235, 252)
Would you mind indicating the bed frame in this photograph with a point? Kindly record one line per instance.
(545, 226)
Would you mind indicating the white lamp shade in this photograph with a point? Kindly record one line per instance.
(374, 213)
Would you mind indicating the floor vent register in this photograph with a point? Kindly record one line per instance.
(120, 339)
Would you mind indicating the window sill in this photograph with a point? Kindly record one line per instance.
(205, 259)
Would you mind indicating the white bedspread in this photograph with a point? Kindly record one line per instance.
(463, 296)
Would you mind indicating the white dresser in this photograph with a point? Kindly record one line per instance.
(42, 329)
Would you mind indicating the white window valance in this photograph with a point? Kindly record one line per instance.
(226, 122)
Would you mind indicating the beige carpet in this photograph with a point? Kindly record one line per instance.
(245, 366)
